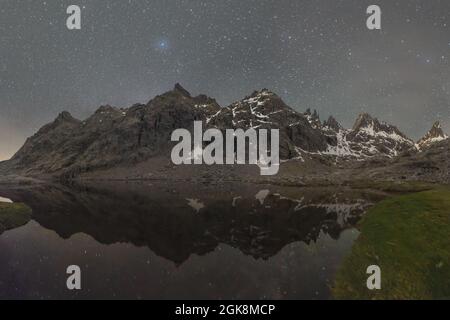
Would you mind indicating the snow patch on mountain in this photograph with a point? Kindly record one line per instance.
(435, 135)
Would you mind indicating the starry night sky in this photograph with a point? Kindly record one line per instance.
(315, 54)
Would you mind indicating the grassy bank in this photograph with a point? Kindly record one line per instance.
(13, 215)
(409, 238)
(400, 187)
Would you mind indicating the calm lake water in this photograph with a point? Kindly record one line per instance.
(158, 240)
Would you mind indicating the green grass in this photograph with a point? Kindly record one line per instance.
(409, 238)
(13, 215)
(393, 186)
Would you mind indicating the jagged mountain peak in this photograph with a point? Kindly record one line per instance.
(364, 120)
(314, 113)
(367, 122)
(263, 99)
(369, 137)
(435, 134)
(181, 102)
(177, 94)
(370, 125)
(264, 91)
(259, 95)
(179, 89)
(43, 142)
(63, 119)
(332, 124)
(65, 116)
(118, 136)
(313, 118)
(105, 109)
(436, 130)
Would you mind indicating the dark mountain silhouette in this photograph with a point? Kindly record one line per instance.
(124, 137)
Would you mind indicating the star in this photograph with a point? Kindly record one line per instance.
(225, 49)
(162, 45)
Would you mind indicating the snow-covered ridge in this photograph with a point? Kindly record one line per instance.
(435, 135)
(370, 130)
(343, 147)
(264, 109)
(255, 111)
(258, 98)
(368, 137)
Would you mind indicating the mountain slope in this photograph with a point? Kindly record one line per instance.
(265, 110)
(368, 138)
(111, 136)
(436, 134)
(125, 137)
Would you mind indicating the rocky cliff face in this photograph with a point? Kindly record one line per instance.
(436, 134)
(370, 137)
(126, 136)
(332, 124)
(265, 110)
(367, 139)
(114, 137)
(48, 149)
(431, 164)
(111, 136)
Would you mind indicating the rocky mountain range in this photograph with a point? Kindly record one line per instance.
(436, 134)
(124, 137)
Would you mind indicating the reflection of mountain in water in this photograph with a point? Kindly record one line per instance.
(175, 221)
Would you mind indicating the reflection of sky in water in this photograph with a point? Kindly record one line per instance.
(33, 261)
